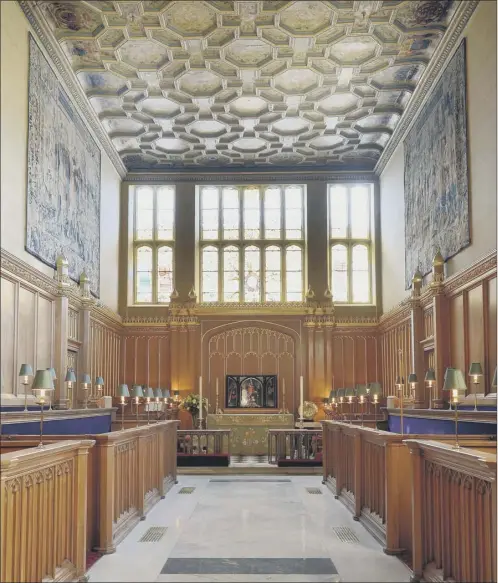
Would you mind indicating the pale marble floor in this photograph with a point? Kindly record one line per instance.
(249, 528)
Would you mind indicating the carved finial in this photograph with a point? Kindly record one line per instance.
(438, 259)
(85, 286)
(62, 267)
(310, 294)
(174, 295)
(417, 281)
(437, 269)
(192, 295)
(327, 294)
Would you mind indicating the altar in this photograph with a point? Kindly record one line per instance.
(249, 431)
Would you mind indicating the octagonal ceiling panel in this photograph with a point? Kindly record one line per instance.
(245, 83)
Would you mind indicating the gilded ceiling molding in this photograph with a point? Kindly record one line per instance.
(244, 176)
(422, 91)
(59, 61)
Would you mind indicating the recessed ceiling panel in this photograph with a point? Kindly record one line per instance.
(246, 83)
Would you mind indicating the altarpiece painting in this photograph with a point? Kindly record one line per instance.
(63, 198)
(436, 182)
(251, 392)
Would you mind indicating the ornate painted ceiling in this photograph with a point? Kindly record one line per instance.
(181, 84)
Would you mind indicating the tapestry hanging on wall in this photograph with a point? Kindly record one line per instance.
(63, 198)
(251, 392)
(436, 185)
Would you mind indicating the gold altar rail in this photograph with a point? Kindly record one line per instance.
(294, 444)
(454, 513)
(370, 472)
(204, 441)
(129, 471)
(44, 508)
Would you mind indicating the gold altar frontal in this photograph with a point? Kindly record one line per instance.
(249, 431)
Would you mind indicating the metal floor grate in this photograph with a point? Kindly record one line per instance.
(186, 490)
(313, 490)
(154, 534)
(345, 534)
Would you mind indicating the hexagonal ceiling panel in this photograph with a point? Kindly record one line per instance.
(183, 84)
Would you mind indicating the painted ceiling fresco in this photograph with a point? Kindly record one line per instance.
(181, 84)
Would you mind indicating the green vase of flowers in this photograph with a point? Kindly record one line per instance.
(192, 403)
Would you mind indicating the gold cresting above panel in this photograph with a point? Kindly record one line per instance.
(181, 84)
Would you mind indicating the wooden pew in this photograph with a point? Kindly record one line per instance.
(43, 506)
(453, 512)
(370, 472)
(129, 471)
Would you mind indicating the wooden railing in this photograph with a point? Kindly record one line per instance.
(203, 442)
(370, 472)
(294, 444)
(43, 507)
(129, 471)
(454, 513)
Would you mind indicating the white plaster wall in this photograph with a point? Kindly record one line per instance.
(14, 137)
(481, 134)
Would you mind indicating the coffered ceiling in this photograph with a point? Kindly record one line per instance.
(181, 84)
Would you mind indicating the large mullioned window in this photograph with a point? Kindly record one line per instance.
(350, 219)
(252, 243)
(153, 243)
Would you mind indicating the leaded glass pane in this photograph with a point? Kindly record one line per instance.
(252, 218)
(293, 212)
(294, 275)
(252, 275)
(360, 212)
(231, 274)
(361, 272)
(209, 213)
(273, 274)
(164, 273)
(273, 206)
(340, 273)
(231, 213)
(338, 204)
(210, 266)
(165, 212)
(144, 213)
(144, 275)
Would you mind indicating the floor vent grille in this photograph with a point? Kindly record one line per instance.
(314, 490)
(154, 534)
(186, 490)
(345, 534)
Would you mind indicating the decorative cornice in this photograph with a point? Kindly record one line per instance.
(394, 317)
(59, 61)
(105, 315)
(259, 176)
(479, 269)
(452, 35)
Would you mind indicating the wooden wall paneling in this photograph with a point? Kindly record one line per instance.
(457, 331)
(26, 327)
(475, 333)
(317, 390)
(8, 335)
(46, 316)
(492, 332)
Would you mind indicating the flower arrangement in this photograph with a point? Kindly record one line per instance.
(191, 403)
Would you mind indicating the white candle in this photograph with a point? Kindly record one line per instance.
(283, 388)
(200, 398)
(301, 397)
(216, 386)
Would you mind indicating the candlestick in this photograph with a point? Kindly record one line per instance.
(301, 398)
(217, 410)
(200, 402)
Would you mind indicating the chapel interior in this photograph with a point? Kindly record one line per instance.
(248, 290)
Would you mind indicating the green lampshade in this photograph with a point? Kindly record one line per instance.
(85, 379)
(349, 392)
(158, 393)
(43, 381)
(99, 381)
(400, 381)
(475, 370)
(25, 370)
(361, 390)
(137, 391)
(412, 378)
(70, 376)
(149, 393)
(375, 388)
(333, 394)
(453, 380)
(430, 376)
(166, 394)
(52, 372)
(340, 393)
(493, 384)
(123, 391)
